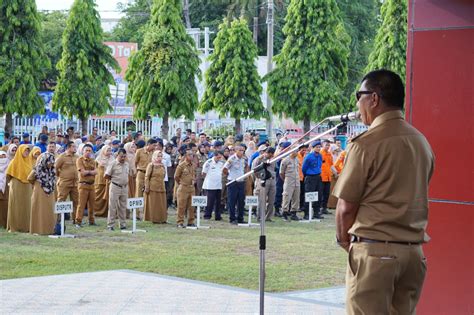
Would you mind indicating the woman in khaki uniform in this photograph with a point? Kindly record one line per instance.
(155, 191)
(131, 149)
(19, 201)
(101, 184)
(42, 217)
(3, 189)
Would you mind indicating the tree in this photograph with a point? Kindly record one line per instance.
(53, 25)
(311, 70)
(161, 74)
(391, 40)
(84, 77)
(22, 59)
(232, 82)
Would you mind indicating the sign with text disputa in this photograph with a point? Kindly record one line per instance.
(199, 201)
(63, 207)
(311, 196)
(251, 201)
(135, 203)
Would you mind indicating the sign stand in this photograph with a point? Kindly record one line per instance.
(134, 204)
(62, 208)
(310, 197)
(250, 201)
(198, 202)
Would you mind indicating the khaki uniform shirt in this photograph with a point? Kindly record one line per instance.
(387, 172)
(118, 172)
(88, 165)
(271, 168)
(66, 170)
(185, 174)
(142, 159)
(289, 169)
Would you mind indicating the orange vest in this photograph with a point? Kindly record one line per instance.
(300, 158)
(339, 165)
(326, 172)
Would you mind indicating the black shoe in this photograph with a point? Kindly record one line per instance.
(318, 217)
(325, 211)
(233, 222)
(191, 225)
(285, 216)
(180, 225)
(294, 217)
(123, 227)
(218, 219)
(278, 213)
(110, 228)
(242, 222)
(93, 224)
(306, 218)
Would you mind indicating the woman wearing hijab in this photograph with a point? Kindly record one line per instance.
(19, 201)
(251, 149)
(3, 189)
(155, 191)
(131, 149)
(104, 158)
(12, 148)
(42, 217)
(34, 154)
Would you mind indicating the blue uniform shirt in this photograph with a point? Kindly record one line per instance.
(42, 146)
(312, 164)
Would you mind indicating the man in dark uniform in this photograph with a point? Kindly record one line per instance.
(382, 212)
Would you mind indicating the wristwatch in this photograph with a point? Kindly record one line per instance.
(342, 244)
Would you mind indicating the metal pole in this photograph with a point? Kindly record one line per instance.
(269, 66)
(262, 246)
(255, 29)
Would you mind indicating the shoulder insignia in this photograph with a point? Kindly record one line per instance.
(358, 136)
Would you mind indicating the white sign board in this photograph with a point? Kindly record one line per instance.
(311, 196)
(199, 201)
(135, 203)
(251, 201)
(63, 207)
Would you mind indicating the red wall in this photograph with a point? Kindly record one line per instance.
(440, 103)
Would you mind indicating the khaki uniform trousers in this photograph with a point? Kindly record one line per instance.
(69, 191)
(291, 194)
(86, 198)
(266, 197)
(117, 205)
(184, 196)
(384, 278)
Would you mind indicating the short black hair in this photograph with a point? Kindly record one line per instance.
(151, 141)
(52, 142)
(69, 144)
(388, 85)
(87, 146)
(326, 141)
(121, 150)
(191, 145)
(270, 150)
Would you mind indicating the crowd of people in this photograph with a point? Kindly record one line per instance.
(99, 172)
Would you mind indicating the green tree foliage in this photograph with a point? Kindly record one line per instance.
(22, 59)
(84, 77)
(53, 25)
(162, 73)
(361, 21)
(391, 40)
(232, 82)
(311, 70)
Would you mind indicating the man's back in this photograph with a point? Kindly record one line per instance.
(387, 172)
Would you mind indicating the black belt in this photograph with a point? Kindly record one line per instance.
(86, 183)
(313, 174)
(118, 185)
(142, 171)
(358, 239)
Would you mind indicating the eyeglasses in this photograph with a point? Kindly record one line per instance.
(360, 93)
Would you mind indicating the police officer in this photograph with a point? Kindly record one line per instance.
(266, 194)
(185, 179)
(312, 178)
(234, 167)
(382, 211)
(86, 167)
(117, 173)
(289, 174)
(66, 171)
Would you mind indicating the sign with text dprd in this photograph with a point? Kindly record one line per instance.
(135, 203)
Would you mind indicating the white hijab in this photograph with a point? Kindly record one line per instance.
(3, 171)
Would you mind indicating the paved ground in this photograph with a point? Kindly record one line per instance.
(131, 292)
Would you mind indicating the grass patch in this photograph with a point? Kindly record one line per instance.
(299, 256)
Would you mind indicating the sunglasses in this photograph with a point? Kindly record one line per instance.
(360, 93)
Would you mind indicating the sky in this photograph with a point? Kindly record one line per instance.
(102, 5)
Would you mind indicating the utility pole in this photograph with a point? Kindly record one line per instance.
(269, 66)
(255, 29)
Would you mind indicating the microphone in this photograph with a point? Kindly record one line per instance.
(345, 117)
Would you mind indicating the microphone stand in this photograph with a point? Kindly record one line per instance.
(264, 175)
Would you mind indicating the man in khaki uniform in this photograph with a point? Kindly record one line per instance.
(266, 195)
(86, 170)
(382, 212)
(289, 173)
(185, 179)
(66, 172)
(117, 173)
(142, 159)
